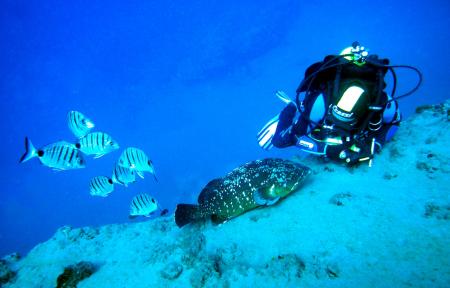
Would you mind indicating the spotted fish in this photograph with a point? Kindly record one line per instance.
(258, 183)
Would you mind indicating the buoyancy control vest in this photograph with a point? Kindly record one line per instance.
(353, 92)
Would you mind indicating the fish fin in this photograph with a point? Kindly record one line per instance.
(57, 169)
(132, 217)
(186, 213)
(273, 201)
(30, 151)
(261, 198)
(117, 181)
(141, 174)
(258, 197)
(154, 175)
(216, 219)
(151, 214)
(98, 156)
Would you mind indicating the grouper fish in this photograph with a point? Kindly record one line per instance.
(257, 183)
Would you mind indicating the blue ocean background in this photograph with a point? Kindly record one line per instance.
(189, 82)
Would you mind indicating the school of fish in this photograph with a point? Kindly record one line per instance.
(64, 155)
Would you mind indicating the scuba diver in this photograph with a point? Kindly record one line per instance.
(345, 114)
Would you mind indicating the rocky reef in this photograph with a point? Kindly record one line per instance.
(384, 226)
(73, 274)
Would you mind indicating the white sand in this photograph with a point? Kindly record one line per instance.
(379, 235)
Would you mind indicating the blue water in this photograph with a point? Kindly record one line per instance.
(189, 82)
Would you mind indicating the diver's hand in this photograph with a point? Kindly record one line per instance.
(266, 134)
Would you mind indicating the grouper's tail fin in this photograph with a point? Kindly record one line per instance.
(186, 213)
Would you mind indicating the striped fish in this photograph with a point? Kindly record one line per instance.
(143, 205)
(101, 186)
(59, 156)
(135, 159)
(97, 143)
(79, 124)
(122, 175)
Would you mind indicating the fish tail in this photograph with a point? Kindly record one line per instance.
(186, 213)
(30, 151)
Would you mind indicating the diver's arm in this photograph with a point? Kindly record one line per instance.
(285, 135)
(391, 118)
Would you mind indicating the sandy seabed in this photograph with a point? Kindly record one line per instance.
(384, 226)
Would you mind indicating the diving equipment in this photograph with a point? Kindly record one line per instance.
(265, 135)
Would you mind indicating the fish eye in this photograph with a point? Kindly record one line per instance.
(110, 181)
(78, 145)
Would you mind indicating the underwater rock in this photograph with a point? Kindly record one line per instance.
(74, 234)
(442, 108)
(431, 140)
(172, 271)
(227, 257)
(341, 199)
(441, 212)
(66, 235)
(193, 246)
(328, 169)
(432, 163)
(332, 270)
(389, 175)
(323, 267)
(75, 273)
(163, 252)
(259, 215)
(163, 225)
(205, 275)
(395, 150)
(6, 273)
(289, 266)
(12, 258)
(423, 108)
